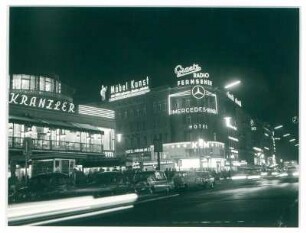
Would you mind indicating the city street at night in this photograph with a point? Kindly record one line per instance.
(266, 203)
(153, 116)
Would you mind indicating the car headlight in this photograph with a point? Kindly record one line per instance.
(295, 173)
(240, 177)
(283, 174)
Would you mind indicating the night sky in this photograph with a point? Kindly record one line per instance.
(88, 47)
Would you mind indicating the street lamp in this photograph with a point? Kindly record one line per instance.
(232, 84)
(278, 127)
(201, 143)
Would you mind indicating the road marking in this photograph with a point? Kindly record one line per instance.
(156, 199)
(80, 216)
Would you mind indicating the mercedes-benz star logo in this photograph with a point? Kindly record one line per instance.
(198, 92)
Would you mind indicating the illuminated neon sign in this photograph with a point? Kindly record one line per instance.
(129, 89)
(232, 98)
(41, 102)
(198, 78)
(201, 105)
(187, 82)
(198, 126)
(180, 71)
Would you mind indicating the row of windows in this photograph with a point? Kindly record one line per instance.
(157, 107)
(138, 141)
(140, 125)
(31, 82)
(60, 135)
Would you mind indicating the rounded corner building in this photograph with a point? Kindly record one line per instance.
(48, 132)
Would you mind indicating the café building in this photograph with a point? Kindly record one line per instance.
(48, 132)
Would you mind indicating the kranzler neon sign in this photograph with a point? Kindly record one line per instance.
(41, 102)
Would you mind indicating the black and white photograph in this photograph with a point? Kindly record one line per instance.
(153, 116)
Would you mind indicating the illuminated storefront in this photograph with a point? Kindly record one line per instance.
(63, 134)
(194, 155)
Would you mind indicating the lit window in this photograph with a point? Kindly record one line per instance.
(58, 87)
(25, 82)
(48, 83)
(42, 83)
(17, 81)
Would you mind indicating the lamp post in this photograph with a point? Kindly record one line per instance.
(200, 145)
(274, 139)
(27, 152)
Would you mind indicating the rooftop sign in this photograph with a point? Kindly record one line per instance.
(233, 98)
(129, 89)
(41, 102)
(197, 78)
(180, 71)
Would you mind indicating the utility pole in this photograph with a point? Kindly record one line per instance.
(158, 147)
(27, 152)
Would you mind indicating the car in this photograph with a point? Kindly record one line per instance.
(289, 174)
(207, 178)
(184, 180)
(42, 187)
(105, 184)
(151, 182)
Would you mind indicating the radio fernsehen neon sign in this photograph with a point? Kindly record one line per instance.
(129, 89)
(41, 102)
(198, 78)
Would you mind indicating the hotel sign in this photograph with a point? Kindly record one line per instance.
(198, 126)
(129, 89)
(41, 102)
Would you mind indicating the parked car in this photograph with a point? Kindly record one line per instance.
(42, 187)
(207, 178)
(105, 184)
(151, 182)
(192, 180)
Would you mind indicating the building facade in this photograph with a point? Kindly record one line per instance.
(48, 132)
(197, 124)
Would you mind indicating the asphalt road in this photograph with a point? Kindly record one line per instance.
(267, 203)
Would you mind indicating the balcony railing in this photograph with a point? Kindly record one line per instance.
(41, 144)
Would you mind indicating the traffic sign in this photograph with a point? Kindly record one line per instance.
(158, 145)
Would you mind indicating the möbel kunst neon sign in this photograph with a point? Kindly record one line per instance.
(129, 89)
